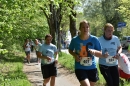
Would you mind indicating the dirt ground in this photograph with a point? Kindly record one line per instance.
(33, 72)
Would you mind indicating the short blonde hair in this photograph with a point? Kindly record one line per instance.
(108, 25)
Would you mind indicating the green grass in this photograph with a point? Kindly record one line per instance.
(68, 61)
(11, 73)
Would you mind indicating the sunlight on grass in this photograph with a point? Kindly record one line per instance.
(11, 73)
(68, 61)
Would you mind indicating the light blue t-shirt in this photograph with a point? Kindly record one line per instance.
(111, 47)
(47, 50)
(37, 46)
(77, 45)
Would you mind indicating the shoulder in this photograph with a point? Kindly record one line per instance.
(52, 45)
(39, 44)
(93, 38)
(75, 38)
(101, 37)
(115, 37)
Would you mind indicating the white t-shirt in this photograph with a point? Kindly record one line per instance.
(27, 47)
(124, 63)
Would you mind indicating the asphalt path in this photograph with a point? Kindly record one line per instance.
(33, 72)
(64, 78)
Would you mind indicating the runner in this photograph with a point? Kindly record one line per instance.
(112, 46)
(49, 55)
(37, 45)
(84, 48)
(27, 50)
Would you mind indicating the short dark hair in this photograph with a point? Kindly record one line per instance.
(48, 35)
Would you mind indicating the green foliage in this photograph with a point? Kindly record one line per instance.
(20, 19)
(66, 60)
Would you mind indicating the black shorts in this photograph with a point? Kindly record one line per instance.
(48, 70)
(91, 75)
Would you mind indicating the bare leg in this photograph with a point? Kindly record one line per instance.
(52, 82)
(85, 82)
(28, 57)
(92, 83)
(45, 81)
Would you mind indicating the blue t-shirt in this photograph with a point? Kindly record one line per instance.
(111, 47)
(79, 45)
(47, 50)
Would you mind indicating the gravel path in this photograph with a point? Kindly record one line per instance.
(33, 72)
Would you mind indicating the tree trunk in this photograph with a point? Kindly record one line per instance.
(72, 24)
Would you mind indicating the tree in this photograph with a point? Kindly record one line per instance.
(111, 14)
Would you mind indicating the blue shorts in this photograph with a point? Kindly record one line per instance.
(48, 70)
(91, 75)
(27, 52)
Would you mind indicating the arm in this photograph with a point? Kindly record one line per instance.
(96, 53)
(119, 50)
(76, 57)
(43, 57)
(56, 57)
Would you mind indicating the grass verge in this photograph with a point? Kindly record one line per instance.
(11, 73)
(68, 61)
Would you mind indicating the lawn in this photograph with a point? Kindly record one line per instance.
(11, 73)
(68, 61)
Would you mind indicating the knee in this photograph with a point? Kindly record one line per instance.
(46, 80)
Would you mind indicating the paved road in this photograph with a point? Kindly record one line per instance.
(33, 72)
(64, 78)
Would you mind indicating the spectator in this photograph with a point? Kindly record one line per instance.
(124, 66)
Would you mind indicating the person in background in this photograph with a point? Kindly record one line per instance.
(42, 41)
(37, 45)
(67, 43)
(124, 66)
(27, 50)
(32, 45)
(49, 59)
(84, 48)
(110, 45)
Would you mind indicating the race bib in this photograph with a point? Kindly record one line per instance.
(86, 61)
(110, 60)
(49, 62)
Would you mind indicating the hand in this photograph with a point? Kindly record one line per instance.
(48, 58)
(56, 61)
(77, 58)
(106, 55)
(92, 51)
(116, 56)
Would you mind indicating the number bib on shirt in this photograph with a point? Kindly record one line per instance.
(49, 62)
(110, 60)
(86, 61)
